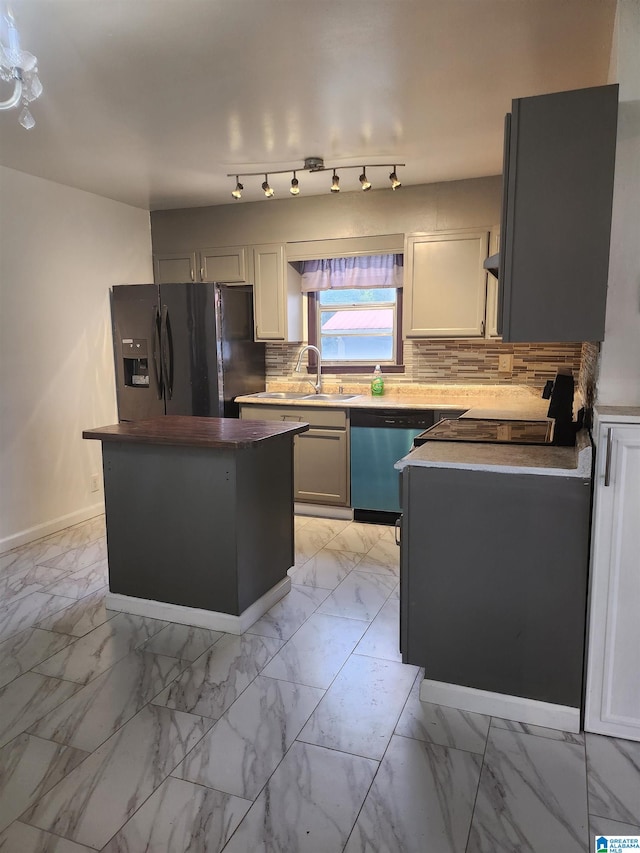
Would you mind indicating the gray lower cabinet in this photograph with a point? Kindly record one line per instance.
(321, 455)
(320, 466)
(493, 580)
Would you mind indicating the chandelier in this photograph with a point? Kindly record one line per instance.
(20, 68)
(314, 164)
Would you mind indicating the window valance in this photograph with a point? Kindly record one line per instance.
(362, 271)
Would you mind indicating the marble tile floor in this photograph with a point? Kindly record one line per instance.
(131, 735)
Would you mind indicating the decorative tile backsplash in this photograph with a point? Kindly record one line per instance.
(465, 361)
(477, 361)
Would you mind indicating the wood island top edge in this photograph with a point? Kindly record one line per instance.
(187, 431)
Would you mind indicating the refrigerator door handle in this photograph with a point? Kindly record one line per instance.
(166, 350)
(155, 337)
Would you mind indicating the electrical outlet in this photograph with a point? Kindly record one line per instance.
(95, 483)
(505, 363)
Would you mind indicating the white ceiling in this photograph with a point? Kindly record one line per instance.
(153, 102)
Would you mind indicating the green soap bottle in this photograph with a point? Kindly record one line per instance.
(377, 382)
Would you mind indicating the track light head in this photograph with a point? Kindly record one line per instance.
(395, 183)
(295, 189)
(335, 183)
(237, 193)
(364, 183)
(267, 190)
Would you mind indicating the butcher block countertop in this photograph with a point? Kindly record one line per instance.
(185, 431)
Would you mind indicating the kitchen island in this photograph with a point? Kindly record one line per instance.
(199, 516)
(493, 577)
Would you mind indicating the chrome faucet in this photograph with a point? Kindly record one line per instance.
(318, 383)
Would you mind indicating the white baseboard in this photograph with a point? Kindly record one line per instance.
(212, 619)
(344, 513)
(47, 528)
(530, 711)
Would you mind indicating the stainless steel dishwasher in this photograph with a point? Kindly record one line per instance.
(379, 437)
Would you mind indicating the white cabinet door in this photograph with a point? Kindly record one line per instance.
(174, 268)
(277, 295)
(445, 284)
(613, 680)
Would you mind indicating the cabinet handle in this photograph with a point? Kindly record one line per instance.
(398, 529)
(193, 275)
(482, 329)
(202, 278)
(607, 464)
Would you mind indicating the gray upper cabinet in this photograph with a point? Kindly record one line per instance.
(229, 264)
(277, 295)
(445, 284)
(556, 215)
(174, 268)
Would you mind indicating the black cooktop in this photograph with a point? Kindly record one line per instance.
(488, 432)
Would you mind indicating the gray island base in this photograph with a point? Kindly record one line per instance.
(199, 515)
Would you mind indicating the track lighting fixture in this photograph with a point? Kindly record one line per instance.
(316, 164)
(237, 193)
(268, 191)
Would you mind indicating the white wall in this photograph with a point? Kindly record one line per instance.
(60, 251)
(619, 380)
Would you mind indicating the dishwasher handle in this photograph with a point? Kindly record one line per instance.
(392, 418)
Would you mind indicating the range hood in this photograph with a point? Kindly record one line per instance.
(492, 264)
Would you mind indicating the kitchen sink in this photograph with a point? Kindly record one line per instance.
(281, 395)
(330, 396)
(297, 395)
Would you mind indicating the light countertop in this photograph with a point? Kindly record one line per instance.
(618, 414)
(503, 402)
(505, 458)
(520, 410)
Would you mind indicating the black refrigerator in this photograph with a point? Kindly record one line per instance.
(184, 349)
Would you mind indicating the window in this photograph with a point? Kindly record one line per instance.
(355, 309)
(357, 325)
